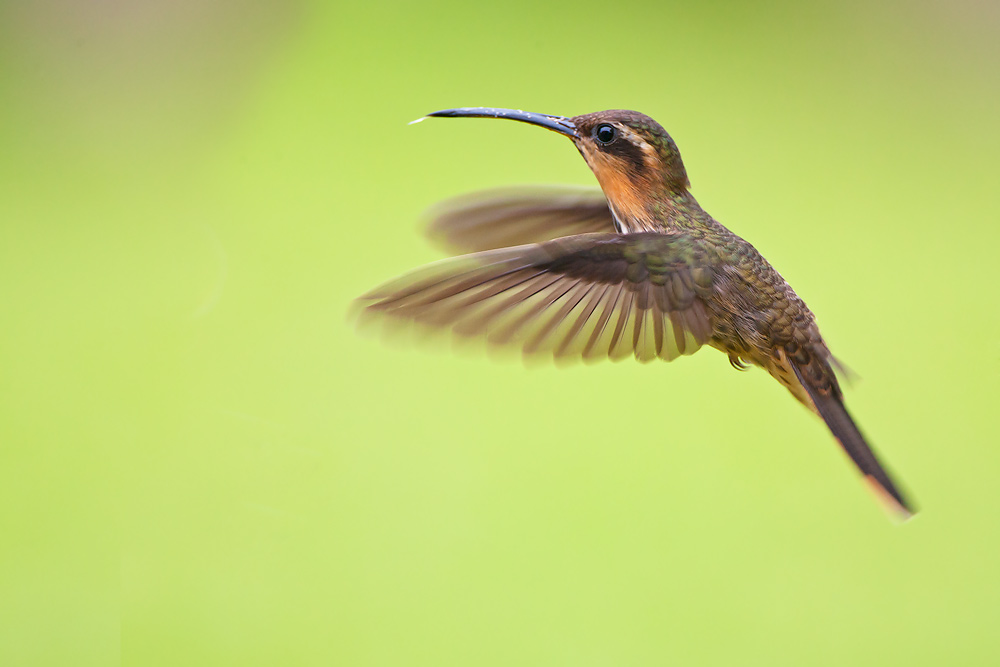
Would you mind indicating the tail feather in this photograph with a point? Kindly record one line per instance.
(830, 407)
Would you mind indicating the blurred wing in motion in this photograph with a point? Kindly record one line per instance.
(588, 296)
(516, 216)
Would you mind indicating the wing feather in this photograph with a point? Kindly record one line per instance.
(585, 296)
(516, 216)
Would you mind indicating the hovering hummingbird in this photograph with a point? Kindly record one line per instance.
(640, 269)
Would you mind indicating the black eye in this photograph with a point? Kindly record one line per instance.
(605, 133)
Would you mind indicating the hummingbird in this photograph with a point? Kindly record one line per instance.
(637, 268)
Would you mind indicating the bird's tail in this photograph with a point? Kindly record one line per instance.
(830, 406)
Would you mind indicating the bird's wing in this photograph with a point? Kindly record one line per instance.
(587, 296)
(516, 216)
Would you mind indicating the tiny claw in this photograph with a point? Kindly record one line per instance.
(737, 363)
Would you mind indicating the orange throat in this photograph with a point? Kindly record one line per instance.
(627, 195)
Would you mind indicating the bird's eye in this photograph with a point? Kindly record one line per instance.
(605, 133)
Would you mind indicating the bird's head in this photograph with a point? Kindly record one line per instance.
(635, 160)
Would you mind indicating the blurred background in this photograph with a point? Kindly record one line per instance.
(204, 463)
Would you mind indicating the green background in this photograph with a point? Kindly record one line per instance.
(203, 462)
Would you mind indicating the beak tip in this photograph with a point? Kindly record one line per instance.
(460, 111)
(418, 120)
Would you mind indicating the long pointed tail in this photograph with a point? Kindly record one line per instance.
(831, 408)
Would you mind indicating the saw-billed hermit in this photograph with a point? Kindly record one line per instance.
(636, 268)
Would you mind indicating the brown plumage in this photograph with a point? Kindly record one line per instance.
(638, 270)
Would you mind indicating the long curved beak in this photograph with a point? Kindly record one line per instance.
(559, 124)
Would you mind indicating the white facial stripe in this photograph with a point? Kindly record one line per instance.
(628, 134)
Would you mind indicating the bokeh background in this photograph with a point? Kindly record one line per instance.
(204, 463)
